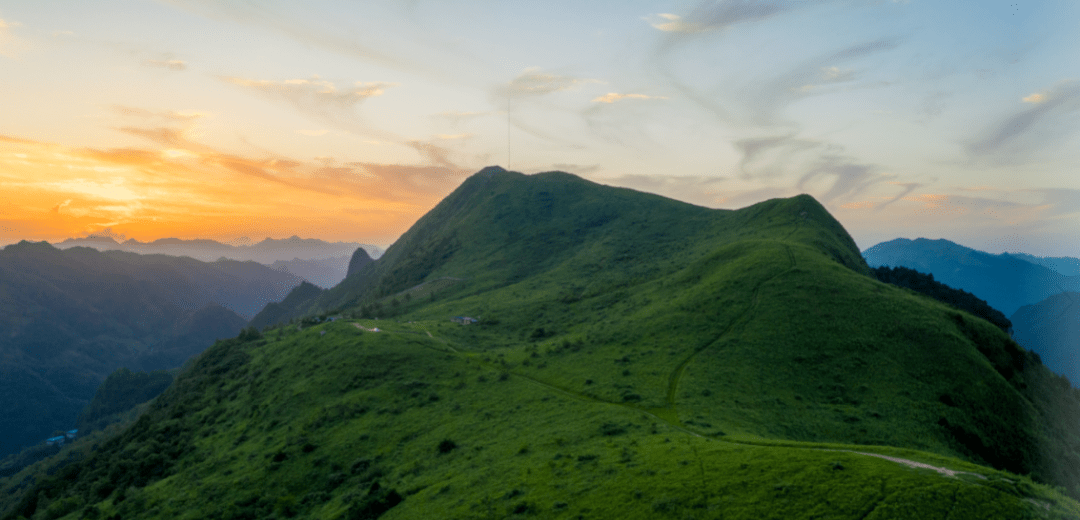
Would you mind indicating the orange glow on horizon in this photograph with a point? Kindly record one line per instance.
(187, 190)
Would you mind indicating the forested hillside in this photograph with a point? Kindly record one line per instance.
(72, 317)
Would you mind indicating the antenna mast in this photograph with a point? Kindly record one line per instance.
(509, 92)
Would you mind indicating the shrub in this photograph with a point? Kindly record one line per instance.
(446, 446)
(611, 429)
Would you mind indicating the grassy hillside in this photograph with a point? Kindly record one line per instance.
(635, 357)
(347, 424)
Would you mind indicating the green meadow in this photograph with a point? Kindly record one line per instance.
(634, 357)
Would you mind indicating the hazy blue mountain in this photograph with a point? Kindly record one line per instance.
(1005, 281)
(1051, 328)
(324, 272)
(71, 317)
(265, 252)
(1065, 265)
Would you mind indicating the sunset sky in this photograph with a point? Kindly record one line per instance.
(347, 120)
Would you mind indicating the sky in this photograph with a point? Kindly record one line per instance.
(348, 120)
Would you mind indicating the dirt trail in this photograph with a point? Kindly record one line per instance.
(677, 373)
(913, 464)
(673, 384)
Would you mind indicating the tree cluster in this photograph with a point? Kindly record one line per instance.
(959, 298)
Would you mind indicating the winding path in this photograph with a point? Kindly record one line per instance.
(669, 414)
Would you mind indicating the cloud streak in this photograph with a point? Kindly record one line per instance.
(315, 93)
(1047, 117)
(320, 98)
(535, 83)
(716, 15)
(849, 177)
(612, 97)
(773, 148)
(11, 46)
(175, 65)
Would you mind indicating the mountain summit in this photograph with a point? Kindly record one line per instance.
(549, 347)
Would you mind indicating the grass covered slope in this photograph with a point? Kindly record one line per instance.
(634, 357)
(397, 424)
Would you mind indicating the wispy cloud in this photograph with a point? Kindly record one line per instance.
(176, 65)
(320, 98)
(755, 104)
(62, 205)
(849, 177)
(702, 190)
(577, 169)
(933, 105)
(11, 46)
(715, 15)
(456, 118)
(908, 187)
(527, 89)
(314, 92)
(673, 23)
(612, 97)
(377, 49)
(535, 83)
(1047, 118)
(168, 115)
(765, 99)
(770, 156)
(1044, 120)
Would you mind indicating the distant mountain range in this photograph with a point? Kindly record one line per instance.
(266, 252)
(1065, 265)
(1005, 281)
(71, 317)
(1038, 294)
(322, 263)
(1052, 329)
(323, 272)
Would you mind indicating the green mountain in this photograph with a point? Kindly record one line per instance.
(359, 259)
(275, 312)
(633, 357)
(122, 391)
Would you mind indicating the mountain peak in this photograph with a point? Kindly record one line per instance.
(488, 171)
(27, 245)
(359, 259)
